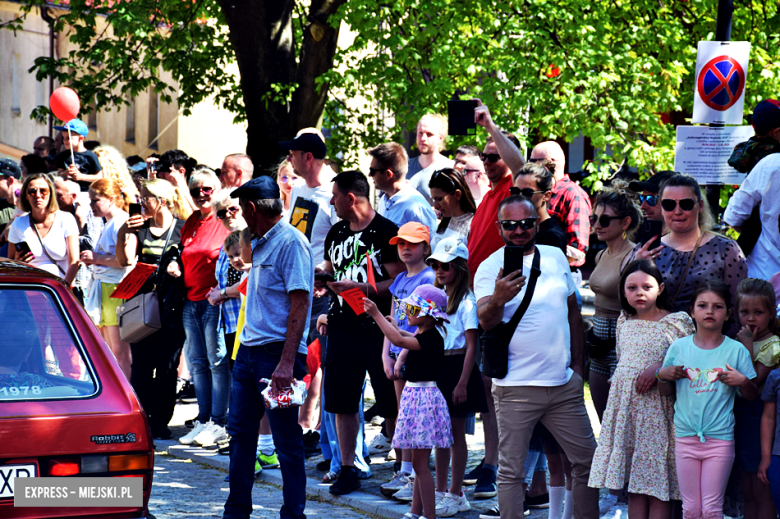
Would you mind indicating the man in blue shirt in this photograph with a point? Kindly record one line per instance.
(273, 346)
(399, 202)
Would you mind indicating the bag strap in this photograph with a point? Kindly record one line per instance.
(165, 247)
(34, 228)
(529, 293)
(685, 272)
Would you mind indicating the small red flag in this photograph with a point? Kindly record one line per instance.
(370, 273)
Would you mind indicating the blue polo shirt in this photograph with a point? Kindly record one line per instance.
(281, 262)
(408, 205)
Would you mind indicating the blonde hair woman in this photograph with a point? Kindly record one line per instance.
(107, 201)
(285, 178)
(168, 194)
(115, 168)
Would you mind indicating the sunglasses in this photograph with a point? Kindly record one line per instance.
(222, 213)
(526, 191)
(34, 192)
(650, 200)
(435, 265)
(604, 220)
(441, 173)
(196, 191)
(533, 160)
(289, 179)
(374, 171)
(490, 157)
(411, 311)
(525, 224)
(686, 204)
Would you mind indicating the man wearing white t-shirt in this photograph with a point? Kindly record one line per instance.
(546, 361)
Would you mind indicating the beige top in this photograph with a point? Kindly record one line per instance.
(605, 282)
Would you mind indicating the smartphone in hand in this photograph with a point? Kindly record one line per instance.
(22, 249)
(513, 260)
(135, 209)
(651, 230)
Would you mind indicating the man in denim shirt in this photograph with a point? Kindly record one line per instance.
(278, 305)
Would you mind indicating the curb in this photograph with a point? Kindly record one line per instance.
(364, 502)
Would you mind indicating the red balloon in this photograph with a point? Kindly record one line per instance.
(65, 104)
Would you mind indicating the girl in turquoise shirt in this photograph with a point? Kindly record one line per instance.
(707, 369)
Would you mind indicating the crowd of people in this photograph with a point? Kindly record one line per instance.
(456, 293)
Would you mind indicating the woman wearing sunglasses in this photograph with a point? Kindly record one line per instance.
(201, 239)
(285, 177)
(535, 181)
(692, 241)
(452, 198)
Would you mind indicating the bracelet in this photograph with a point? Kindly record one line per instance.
(657, 371)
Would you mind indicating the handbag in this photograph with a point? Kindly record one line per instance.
(139, 316)
(495, 342)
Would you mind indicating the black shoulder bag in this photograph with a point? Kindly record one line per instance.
(495, 342)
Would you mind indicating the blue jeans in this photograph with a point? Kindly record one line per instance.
(246, 410)
(208, 362)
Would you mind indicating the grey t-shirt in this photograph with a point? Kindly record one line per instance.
(420, 177)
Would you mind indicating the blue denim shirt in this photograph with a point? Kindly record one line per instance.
(408, 205)
(281, 262)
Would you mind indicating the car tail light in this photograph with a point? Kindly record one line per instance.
(123, 462)
(64, 467)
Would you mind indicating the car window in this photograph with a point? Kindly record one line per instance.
(40, 357)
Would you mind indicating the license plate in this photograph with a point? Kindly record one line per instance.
(9, 472)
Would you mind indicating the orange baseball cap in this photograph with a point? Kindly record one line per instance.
(413, 232)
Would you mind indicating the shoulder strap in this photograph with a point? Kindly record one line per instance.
(165, 247)
(688, 266)
(32, 224)
(529, 293)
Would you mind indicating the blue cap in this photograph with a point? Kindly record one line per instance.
(260, 188)
(74, 125)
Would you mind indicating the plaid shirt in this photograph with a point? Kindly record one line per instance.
(228, 314)
(91, 233)
(570, 206)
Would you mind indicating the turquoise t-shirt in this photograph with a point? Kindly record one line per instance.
(705, 405)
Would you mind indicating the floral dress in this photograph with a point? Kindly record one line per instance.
(637, 431)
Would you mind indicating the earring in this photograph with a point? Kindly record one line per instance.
(625, 235)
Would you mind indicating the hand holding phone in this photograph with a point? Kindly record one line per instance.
(135, 209)
(513, 259)
(22, 252)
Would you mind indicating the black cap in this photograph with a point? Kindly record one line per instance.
(766, 116)
(310, 142)
(9, 168)
(652, 184)
(260, 188)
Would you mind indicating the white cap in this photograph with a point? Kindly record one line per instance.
(448, 249)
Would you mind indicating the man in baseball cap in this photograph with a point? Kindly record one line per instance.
(308, 140)
(9, 168)
(649, 192)
(76, 162)
(766, 123)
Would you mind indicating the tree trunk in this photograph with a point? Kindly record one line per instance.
(261, 33)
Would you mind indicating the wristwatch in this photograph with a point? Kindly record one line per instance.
(223, 293)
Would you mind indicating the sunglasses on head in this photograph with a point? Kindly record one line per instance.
(650, 200)
(526, 191)
(686, 204)
(222, 213)
(411, 311)
(196, 191)
(436, 265)
(441, 173)
(490, 157)
(604, 220)
(524, 224)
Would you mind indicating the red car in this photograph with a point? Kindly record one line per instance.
(66, 409)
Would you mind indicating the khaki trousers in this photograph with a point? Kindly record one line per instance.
(562, 411)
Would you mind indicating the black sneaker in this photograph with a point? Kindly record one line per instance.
(311, 444)
(490, 514)
(540, 501)
(223, 446)
(348, 482)
(323, 466)
(486, 485)
(162, 433)
(369, 414)
(471, 477)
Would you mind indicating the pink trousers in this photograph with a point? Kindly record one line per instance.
(703, 470)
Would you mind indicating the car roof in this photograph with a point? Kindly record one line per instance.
(14, 268)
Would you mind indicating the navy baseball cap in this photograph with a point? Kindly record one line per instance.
(306, 141)
(766, 116)
(9, 168)
(260, 188)
(74, 125)
(652, 184)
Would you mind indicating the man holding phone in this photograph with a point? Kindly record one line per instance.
(546, 359)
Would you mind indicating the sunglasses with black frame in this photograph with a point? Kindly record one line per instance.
(686, 204)
(524, 224)
(490, 157)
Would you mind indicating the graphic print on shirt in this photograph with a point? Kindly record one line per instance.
(349, 263)
(303, 215)
(701, 380)
(400, 307)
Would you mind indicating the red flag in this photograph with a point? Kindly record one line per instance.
(370, 273)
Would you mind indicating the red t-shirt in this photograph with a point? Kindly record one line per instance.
(484, 238)
(201, 239)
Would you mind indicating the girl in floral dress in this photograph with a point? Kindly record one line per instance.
(637, 432)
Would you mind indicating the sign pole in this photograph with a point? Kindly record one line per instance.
(722, 33)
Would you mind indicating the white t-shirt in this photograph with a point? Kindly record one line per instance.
(465, 318)
(312, 214)
(540, 350)
(56, 244)
(106, 244)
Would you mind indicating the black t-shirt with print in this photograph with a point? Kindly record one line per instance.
(86, 161)
(150, 248)
(346, 250)
(424, 365)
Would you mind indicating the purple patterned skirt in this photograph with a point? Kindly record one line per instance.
(423, 419)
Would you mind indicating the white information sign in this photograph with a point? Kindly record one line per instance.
(721, 73)
(703, 152)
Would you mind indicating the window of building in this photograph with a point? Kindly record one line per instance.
(130, 121)
(92, 117)
(154, 119)
(16, 87)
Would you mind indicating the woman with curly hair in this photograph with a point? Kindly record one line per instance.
(115, 168)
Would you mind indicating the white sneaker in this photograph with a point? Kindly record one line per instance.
(190, 436)
(451, 505)
(607, 504)
(439, 497)
(390, 455)
(394, 485)
(410, 515)
(407, 492)
(210, 435)
(379, 445)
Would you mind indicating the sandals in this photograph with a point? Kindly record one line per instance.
(330, 476)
